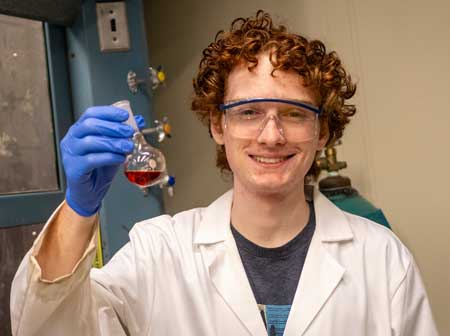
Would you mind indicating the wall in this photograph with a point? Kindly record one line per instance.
(395, 147)
(101, 79)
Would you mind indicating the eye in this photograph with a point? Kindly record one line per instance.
(296, 115)
(247, 113)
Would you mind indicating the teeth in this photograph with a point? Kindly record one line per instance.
(269, 160)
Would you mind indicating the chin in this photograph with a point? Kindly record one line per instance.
(272, 186)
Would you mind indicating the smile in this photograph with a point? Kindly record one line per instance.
(271, 160)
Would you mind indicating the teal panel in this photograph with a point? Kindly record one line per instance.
(358, 205)
(100, 79)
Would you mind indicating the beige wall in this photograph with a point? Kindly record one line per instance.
(395, 147)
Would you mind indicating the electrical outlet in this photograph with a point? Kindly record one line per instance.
(112, 26)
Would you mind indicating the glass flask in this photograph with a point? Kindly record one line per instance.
(146, 165)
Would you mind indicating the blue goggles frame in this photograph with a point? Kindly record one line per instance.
(224, 107)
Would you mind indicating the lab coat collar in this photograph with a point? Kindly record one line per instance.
(331, 223)
(320, 276)
(215, 223)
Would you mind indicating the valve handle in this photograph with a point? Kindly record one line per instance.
(163, 129)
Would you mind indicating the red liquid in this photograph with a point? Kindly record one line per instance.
(142, 178)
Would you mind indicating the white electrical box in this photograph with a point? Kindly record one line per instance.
(112, 26)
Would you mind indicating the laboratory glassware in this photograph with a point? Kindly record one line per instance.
(146, 165)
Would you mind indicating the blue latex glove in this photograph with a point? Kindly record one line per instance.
(92, 151)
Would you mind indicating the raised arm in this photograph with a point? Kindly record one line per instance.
(92, 151)
(52, 292)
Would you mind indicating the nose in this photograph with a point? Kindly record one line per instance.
(271, 132)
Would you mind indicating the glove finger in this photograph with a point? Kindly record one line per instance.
(78, 168)
(140, 121)
(94, 126)
(110, 113)
(93, 161)
(100, 144)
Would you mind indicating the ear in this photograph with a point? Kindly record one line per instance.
(216, 130)
(323, 138)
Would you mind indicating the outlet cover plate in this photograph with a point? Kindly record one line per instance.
(112, 26)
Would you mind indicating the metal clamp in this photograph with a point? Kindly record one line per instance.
(168, 182)
(162, 128)
(155, 77)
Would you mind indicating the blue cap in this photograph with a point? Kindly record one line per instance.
(171, 180)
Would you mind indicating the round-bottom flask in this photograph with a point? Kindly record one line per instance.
(146, 165)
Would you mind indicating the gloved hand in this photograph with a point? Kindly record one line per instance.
(92, 151)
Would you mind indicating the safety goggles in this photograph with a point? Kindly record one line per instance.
(296, 120)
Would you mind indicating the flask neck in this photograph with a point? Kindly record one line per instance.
(138, 136)
(139, 140)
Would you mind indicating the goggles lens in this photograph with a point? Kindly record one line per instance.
(297, 121)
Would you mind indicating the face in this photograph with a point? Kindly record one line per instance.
(269, 163)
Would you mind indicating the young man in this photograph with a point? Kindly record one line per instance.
(266, 257)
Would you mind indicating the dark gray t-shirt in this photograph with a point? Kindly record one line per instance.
(274, 273)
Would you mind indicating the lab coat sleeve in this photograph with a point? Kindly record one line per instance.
(410, 308)
(85, 302)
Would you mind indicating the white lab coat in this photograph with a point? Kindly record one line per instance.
(182, 275)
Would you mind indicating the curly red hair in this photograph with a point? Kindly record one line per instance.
(244, 42)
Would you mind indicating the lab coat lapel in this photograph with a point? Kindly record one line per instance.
(320, 276)
(321, 273)
(230, 280)
(225, 267)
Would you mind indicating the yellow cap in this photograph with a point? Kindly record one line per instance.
(161, 76)
(167, 128)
